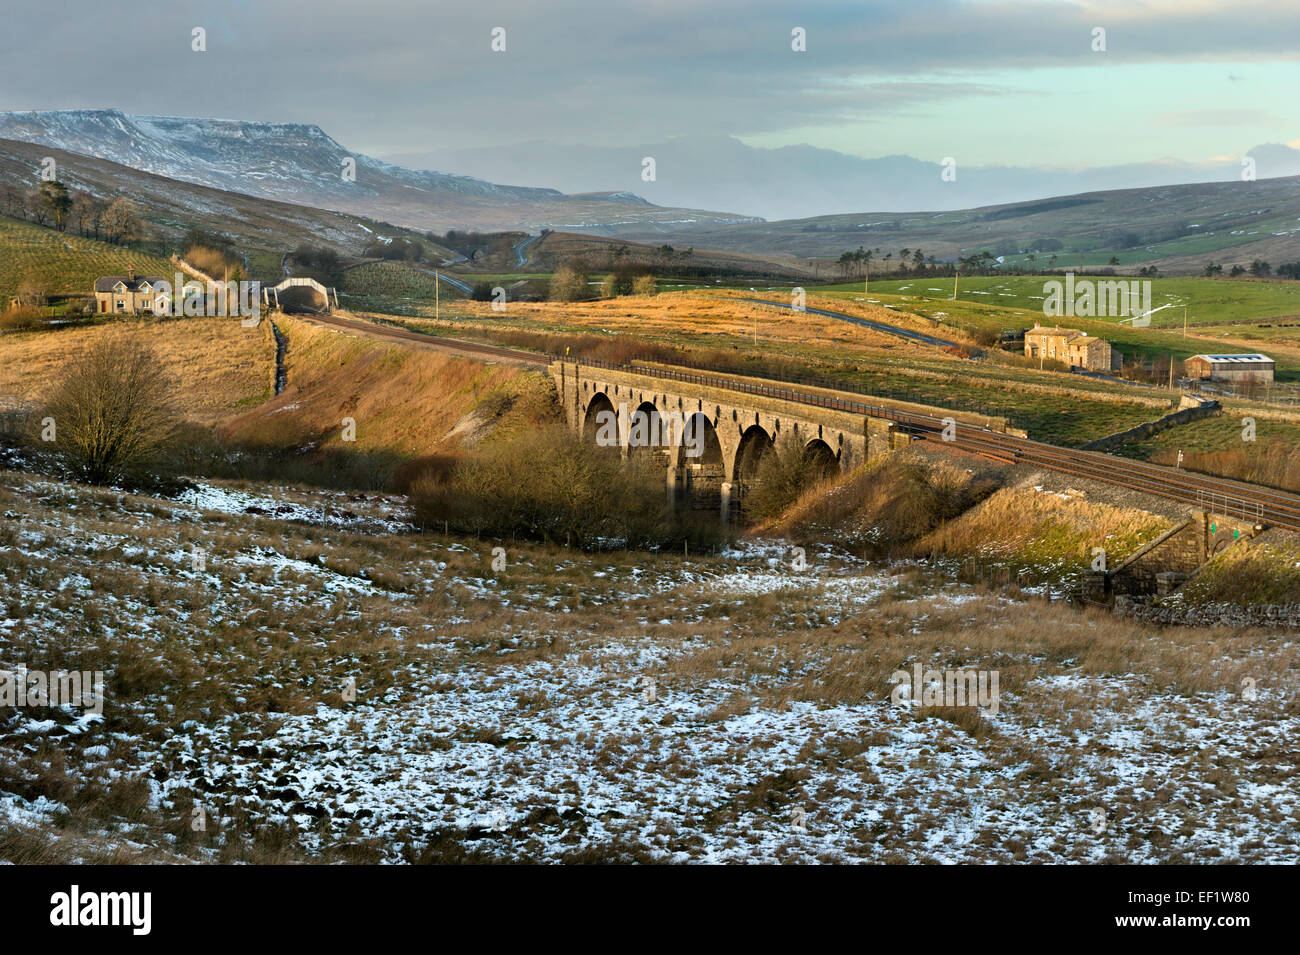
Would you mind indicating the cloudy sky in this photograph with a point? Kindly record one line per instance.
(988, 82)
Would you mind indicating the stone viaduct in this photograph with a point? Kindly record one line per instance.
(727, 429)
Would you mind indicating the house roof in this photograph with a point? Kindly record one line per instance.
(1069, 334)
(109, 282)
(1252, 359)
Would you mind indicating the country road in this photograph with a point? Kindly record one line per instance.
(521, 259)
(878, 326)
(449, 279)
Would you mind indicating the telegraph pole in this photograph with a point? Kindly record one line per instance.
(955, 275)
(437, 296)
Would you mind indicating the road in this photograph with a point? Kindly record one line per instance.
(449, 279)
(906, 333)
(521, 258)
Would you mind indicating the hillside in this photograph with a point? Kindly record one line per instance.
(64, 264)
(556, 248)
(225, 367)
(1176, 228)
(406, 402)
(172, 207)
(301, 164)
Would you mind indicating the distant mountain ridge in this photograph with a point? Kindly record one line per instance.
(301, 163)
(802, 181)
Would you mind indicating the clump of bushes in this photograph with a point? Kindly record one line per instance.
(569, 283)
(628, 279)
(20, 318)
(783, 475)
(883, 508)
(547, 484)
(112, 413)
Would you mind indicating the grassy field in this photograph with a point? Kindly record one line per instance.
(1154, 344)
(65, 264)
(1221, 433)
(1207, 300)
(224, 368)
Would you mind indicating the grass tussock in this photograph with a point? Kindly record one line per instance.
(1265, 573)
(882, 508)
(547, 484)
(1028, 525)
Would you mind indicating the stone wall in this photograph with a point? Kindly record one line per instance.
(1192, 413)
(1209, 615)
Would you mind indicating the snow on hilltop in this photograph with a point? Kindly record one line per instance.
(278, 160)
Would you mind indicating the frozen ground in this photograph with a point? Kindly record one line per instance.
(327, 684)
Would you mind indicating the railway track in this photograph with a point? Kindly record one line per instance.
(1218, 495)
(451, 346)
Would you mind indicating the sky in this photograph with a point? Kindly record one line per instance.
(988, 82)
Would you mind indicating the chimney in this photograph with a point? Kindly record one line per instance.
(130, 272)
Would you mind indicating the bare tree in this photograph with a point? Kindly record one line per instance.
(121, 221)
(35, 209)
(112, 411)
(32, 292)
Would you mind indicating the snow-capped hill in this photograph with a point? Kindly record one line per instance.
(301, 163)
(274, 159)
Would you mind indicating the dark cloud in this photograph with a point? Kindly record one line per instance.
(406, 75)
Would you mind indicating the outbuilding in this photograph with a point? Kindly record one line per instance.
(1242, 368)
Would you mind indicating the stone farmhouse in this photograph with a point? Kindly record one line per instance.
(1077, 349)
(132, 295)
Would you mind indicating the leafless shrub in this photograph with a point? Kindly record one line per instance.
(112, 411)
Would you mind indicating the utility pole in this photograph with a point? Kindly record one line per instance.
(1184, 321)
(955, 275)
(1171, 371)
(437, 296)
(866, 278)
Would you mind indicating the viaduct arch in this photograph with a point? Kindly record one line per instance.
(710, 441)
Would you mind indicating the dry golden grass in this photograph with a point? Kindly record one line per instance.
(715, 314)
(404, 400)
(1044, 526)
(224, 366)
